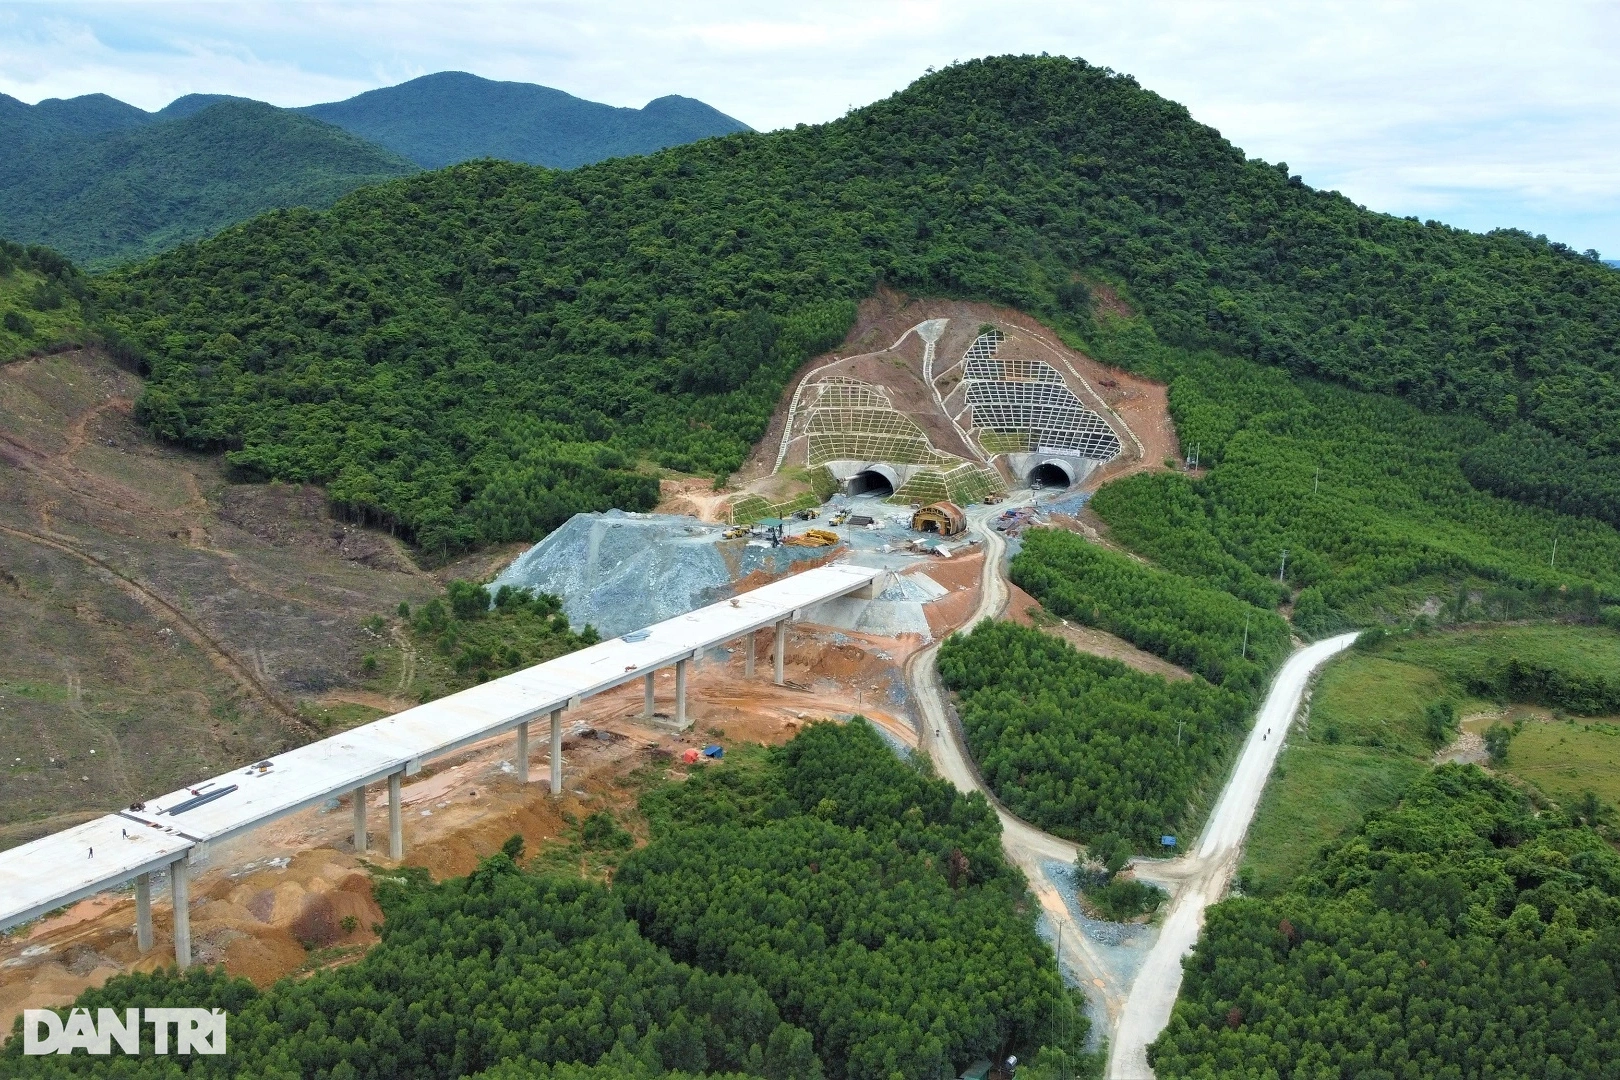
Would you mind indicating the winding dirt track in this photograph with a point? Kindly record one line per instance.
(1136, 1013)
(199, 637)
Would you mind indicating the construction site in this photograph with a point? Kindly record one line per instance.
(942, 446)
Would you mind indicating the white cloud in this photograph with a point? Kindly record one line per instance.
(1484, 113)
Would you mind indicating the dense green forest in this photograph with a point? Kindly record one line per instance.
(109, 197)
(1232, 644)
(1465, 932)
(451, 352)
(828, 911)
(870, 901)
(500, 966)
(1363, 491)
(1081, 745)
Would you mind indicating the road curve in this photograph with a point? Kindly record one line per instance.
(1026, 846)
(1204, 874)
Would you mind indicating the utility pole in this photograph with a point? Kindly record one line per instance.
(1318, 485)
(1284, 567)
(1554, 562)
(1247, 615)
(1179, 723)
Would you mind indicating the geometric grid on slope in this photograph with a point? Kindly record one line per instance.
(967, 483)
(852, 420)
(1029, 397)
(985, 345)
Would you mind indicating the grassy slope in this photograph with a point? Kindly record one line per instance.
(1569, 757)
(1374, 704)
(1462, 654)
(1373, 707)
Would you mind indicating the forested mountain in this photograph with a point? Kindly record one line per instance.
(452, 116)
(456, 352)
(106, 182)
(140, 188)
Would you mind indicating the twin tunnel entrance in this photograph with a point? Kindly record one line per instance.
(882, 481)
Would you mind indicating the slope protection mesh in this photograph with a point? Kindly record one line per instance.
(1020, 404)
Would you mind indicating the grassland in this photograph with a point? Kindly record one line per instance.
(1365, 736)
(1358, 747)
(1566, 758)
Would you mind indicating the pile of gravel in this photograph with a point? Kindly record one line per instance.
(620, 571)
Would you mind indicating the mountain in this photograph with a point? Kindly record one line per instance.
(106, 182)
(452, 116)
(476, 353)
(146, 187)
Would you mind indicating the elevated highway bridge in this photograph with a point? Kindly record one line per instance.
(173, 832)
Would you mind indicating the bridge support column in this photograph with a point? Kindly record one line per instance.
(180, 888)
(780, 657)
(523, 752)
(556, 751)
(680, 693)
(143, 913)
(360, 820)
(748, 659)
(396, 818)
(647, 695)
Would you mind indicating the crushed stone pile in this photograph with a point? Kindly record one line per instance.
(621, 571)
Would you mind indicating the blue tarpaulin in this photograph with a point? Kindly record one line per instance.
(714, 750)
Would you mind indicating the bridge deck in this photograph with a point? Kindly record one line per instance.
(57, 869)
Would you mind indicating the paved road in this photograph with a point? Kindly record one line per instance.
(1136, 1014)
(1202, 877)
(1026, 846)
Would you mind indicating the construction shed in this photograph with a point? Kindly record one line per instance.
(944, 518)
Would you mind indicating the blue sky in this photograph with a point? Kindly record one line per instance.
(1480, 114)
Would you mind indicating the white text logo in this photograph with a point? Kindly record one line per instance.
(196, 1031)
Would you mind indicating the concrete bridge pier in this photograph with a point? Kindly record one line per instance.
(523, 752)
(143, 913)
(180, 888)
(556, 751)
(396, 817)
(780, 655)
(360, 820)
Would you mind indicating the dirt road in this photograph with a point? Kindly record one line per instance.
(1027, 846)
(1138, 1012)
(1200, 879)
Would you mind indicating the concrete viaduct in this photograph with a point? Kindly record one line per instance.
(174, 831)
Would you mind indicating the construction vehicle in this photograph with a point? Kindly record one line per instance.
(736, 532)
(839, 518)
(812, 538)
(809, 513)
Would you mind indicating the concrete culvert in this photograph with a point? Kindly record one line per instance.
(1051, 474)
(871, 482)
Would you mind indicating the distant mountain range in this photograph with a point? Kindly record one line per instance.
(105, 182)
